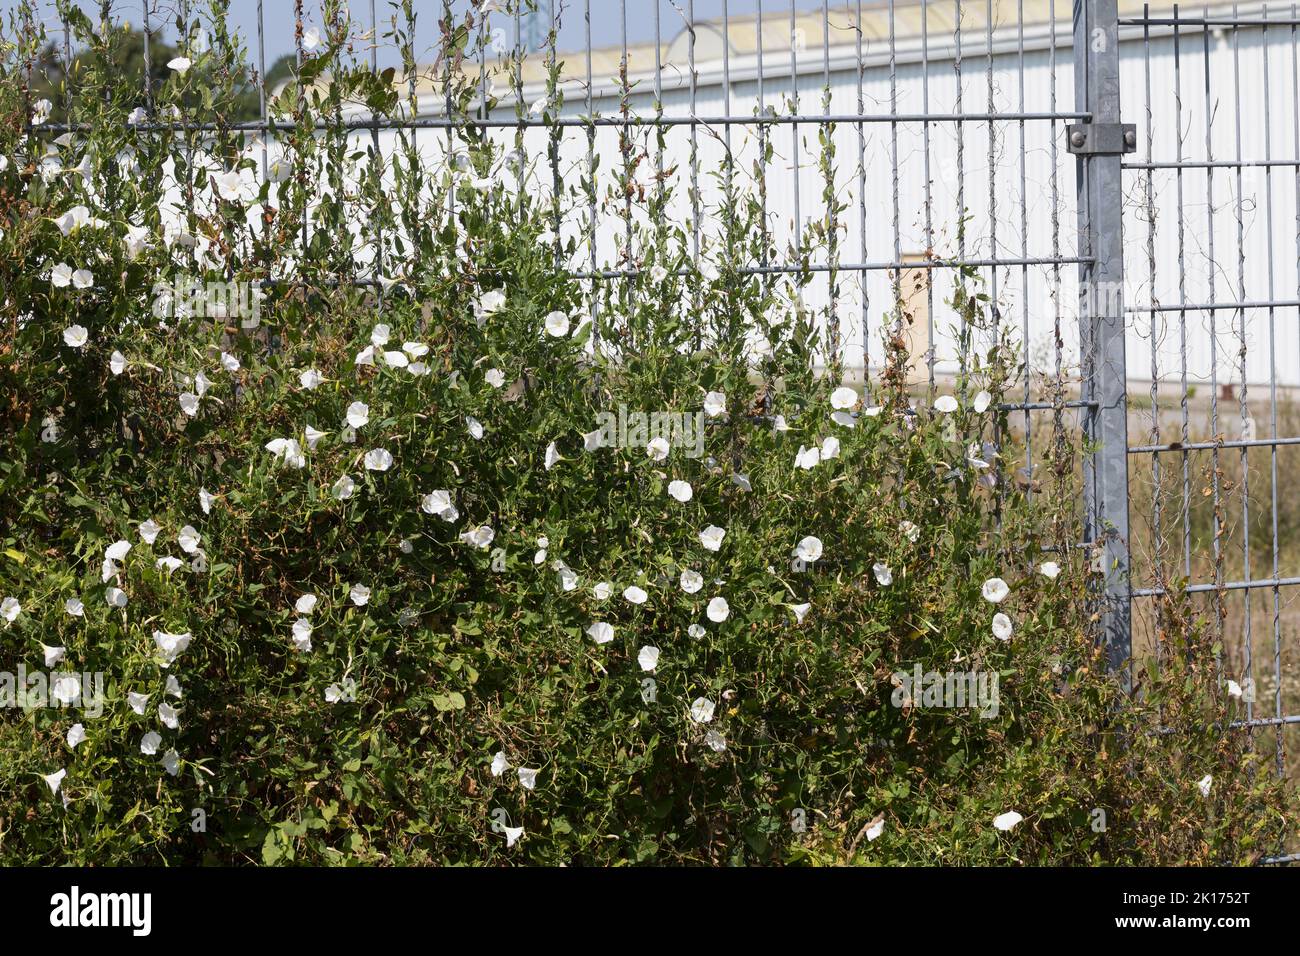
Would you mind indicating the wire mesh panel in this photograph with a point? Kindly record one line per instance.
(1212, 226)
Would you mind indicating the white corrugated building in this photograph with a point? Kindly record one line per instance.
(1250, 98)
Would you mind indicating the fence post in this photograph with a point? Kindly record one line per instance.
(1099, 144)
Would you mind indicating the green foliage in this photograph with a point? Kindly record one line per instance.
(376, 744)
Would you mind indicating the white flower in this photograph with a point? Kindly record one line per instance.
(512, 835)
(395, 359)
(499, 763)
(1204, 785)
(439, 503)
(53, 654)
(74, 607)
(635, 595)
(83, 279)
(76, 734)
(150, 743)
(1234, 689)
(379, 335)
(117, 550)
(137, 701)
(1049, 569)
(718, 610)
(310, 379)
(229, 362)
(657, 448)
(54, 780)
(173, 687)
(172, 645)
(171, 762)
(800, 611)
(359, 595)
(167, 714)
(843, 398)
(117, 363)
(568, 577)
(809, 549)
(313, 437)
(189, 403)
(149, 530)
(711, 537)
(115, 597)
(358, 414)
(494, 377)
(480, 536)
(557, 324)
(648, 657)
(995, 590)
(945, 404)
(65, 689)
(591, 440)
(75, 336)
(228, 185)
(603, 590)
(343, 488)
(691, 581)
(302, 634)
(696, 631)
(552, 456)
(344, 692)
(180, 64)
(680, 490)
(474, 427)
(830, 448)
(910, 531)
(378, 459)
(206, 498)
(310, 39)
(305, 604)
(1002, 627)
(601, 632)
(844, 419)
(1005, 821)
(982, 402)
(702, 710)
(10, 609)
(61, 276)
(884, 576)
(41, 111)
(188, 539)
(527, 778)
(876, 827)
(715, 741)
(807, 458)
(715, 403)
(742, 482)
(490, 302)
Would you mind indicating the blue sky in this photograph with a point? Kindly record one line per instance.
(606, 18)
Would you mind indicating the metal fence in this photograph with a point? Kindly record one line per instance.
(958, 129)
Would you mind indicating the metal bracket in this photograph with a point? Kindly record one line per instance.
(1101, 139)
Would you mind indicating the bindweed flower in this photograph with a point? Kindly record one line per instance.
(167, 714)
(117, 363)
(557, 324)
(137, 702)
(800, 611)
(305, 604)
(148, 530)
(74, 607)
(635, 595)
(439, 503)
(830, 448)
(843, 398)
(75, 336)
(179, 64)
(188, 539)
(150, 743)
(480, 536)
(696, 631)
(474, 427)
(715, 741)
(206, 498)
(601, 632)
(715, 404)
(53, 654)
(310, 379)
(512, 835)
(378, 459)
(718, 610)
(527, 778)
(302, 634)
(807, 458)
(499, 763)
(711, 538)
(1049, 569)
(552, 456)
(494, 377)
(344, 488)
(10, 609)
(359, 595)
(171, 762)
(358, 414)
(680, 491)
(1005, 821)
(945, 404)
(1204, 784)
(995, 590)
(115, 597)
(76, 734)
(884, 576)
(1002, 627)
(648, 657)
(981, 402)
(809, 549)
(691, 581)
(909, 531)
(171, 646)
(657, 448)
(54, 780)
(702, 710)
(602, 591)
